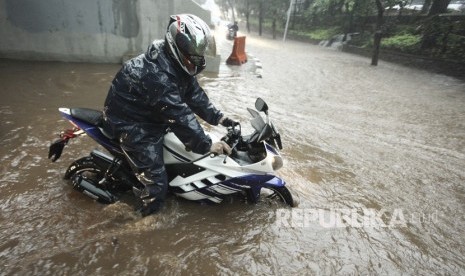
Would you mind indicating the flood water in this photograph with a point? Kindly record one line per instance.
(375, 156)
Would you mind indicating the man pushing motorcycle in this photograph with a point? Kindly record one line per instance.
(157, 91)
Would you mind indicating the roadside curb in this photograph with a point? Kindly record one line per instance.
(258, 72)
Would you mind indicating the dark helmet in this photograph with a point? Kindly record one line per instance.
(187, 37)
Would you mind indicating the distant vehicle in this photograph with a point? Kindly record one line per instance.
(232, 31)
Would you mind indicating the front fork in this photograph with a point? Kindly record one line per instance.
(254, 184)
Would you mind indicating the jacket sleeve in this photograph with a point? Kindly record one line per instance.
(182, 121)
(200, 104)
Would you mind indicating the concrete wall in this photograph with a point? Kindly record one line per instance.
(85, 30)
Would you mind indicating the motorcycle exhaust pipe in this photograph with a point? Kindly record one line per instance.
(90, 189)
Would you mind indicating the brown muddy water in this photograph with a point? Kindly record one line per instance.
(375, 155)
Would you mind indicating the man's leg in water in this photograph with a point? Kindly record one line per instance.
(144, 151)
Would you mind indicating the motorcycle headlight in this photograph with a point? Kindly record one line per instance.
(276, 162)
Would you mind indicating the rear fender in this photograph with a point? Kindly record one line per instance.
(80, 128)
(56, 148)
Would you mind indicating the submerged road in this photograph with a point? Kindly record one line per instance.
(375, 156)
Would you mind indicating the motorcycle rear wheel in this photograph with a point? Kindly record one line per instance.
(86, 167)
(85, 176)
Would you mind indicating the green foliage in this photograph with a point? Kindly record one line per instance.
(409, 32)
(404, 42)
(400, 29)
(455, 49)
(443, 38)
(323, 33)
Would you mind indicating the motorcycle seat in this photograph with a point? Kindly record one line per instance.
(91, 116)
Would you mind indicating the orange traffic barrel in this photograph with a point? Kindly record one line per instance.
(238, 55)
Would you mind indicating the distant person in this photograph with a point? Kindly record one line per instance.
(232, 30)
(157, 91)
(235, 27)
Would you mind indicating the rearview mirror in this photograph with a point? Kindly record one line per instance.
(260, 105)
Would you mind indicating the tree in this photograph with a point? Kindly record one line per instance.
(260, 17)
(426, 6)
(247, 14)
(436, 30)
(265, 9)
(246, 7)
(438, 6)
(378, 34)
(276, 11)
(231, 4)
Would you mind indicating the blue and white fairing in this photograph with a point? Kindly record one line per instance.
(211, 178)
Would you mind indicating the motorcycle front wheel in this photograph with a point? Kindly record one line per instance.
(280, 194)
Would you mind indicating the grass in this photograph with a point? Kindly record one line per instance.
(403, 42)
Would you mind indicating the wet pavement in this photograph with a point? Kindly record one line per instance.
(375, 156)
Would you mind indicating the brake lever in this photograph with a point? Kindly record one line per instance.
(278, 141)
(232, 148)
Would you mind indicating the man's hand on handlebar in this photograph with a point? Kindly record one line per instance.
(226, 122)
(219, 148)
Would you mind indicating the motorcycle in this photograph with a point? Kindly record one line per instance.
(249, 170)
(232, 31)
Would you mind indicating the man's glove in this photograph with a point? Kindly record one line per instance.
(226, 122)
(220, 148)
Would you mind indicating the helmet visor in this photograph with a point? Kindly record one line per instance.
(189, 46)
(192, 53)
(193, 64)
(197, 60)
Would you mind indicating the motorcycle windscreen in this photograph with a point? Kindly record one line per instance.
(257, 122)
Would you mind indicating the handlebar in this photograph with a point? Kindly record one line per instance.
(264, 130)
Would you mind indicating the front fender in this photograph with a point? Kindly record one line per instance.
(252, 184)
